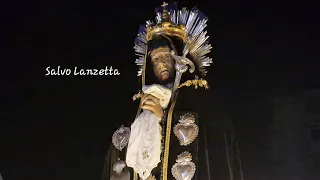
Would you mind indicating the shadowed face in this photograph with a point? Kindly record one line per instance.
(162, 63)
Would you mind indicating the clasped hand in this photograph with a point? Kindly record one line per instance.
(151, 103)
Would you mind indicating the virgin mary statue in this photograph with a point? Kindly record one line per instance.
(172, 136)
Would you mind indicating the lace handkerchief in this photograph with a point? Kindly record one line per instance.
(144, 148)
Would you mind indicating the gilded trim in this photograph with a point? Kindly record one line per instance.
(143, 78)
(160, 49)
(135, 176)
(167, 141)
(167, 28)
(137, 96)
(196, 83)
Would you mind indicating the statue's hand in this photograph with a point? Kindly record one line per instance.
(151, 103)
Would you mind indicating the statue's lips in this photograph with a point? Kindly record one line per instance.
(164, 72)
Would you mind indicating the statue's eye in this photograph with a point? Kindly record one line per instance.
(155, 60)
(167, 56)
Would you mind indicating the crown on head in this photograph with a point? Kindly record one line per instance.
(187, 25)
(165, 26)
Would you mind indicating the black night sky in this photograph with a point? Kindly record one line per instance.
(59, 127)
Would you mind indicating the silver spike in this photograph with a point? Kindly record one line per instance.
(203, 50)
(139, 54)
(148, 23)
(139, 48)
(184, 15)
(195, 26)
(141, 42)
(190, 21)
(173, 16)
(206, 62)
(199, 41)
(142, 37)
(140, 61)
(158, 18)
(200, 27)
(140, 71)
(177, 17)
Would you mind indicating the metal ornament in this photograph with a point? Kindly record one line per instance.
(120, 137)
(187, 25)
(181, 66)
(120, 174)
(118, 166)
(183, 169)
(186, 130)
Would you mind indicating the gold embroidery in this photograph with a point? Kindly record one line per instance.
(143, 78)
(135, 176)
(160, 49)
(167, 28)
(145, 155)
(196, 83)
(167, 142)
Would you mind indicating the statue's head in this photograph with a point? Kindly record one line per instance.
(161, 60)
(162, 63)
(179, 30)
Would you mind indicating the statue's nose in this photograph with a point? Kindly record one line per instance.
(162, 62)
(161, 65)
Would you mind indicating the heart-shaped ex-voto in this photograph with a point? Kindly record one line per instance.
(120, 137)
(183, 169)
(119, 173)
(186, 130)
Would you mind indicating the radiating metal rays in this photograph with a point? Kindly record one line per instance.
(197, 40)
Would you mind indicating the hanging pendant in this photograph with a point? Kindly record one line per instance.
(186, 130)
(183, 169)
(120, 137)
(118, 166)
(119, 173)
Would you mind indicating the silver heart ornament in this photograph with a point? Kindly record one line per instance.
(120, 137)
(183, 169)
(186, 130)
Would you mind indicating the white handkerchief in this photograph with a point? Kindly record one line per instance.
(144, 147)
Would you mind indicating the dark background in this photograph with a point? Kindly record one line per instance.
(59, 127)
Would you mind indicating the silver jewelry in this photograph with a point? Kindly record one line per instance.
(120, 137)
(183, 169)
(186, 130)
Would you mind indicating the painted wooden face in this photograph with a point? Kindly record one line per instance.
(162, 63)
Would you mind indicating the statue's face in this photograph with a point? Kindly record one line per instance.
(163, 63)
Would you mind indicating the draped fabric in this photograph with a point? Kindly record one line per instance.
(144, 148)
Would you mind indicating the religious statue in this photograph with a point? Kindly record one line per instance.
(168, 140)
